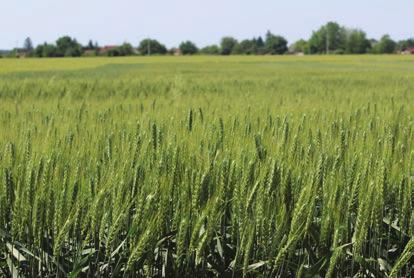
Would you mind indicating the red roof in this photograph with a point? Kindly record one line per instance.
(411, 50)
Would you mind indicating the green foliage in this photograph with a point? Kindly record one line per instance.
(210, 50)
(28, 46)
(188, 48)
(68, 47)
(275, 44)
(300, 46)
(65, 47)
(357, 42)
(46, 50)
(151, 47)
(227, 45)
(404, 44)
(250, 47)
(125, 49)
(385, 45)
(329, 38)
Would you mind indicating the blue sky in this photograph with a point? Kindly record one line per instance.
(204, 22)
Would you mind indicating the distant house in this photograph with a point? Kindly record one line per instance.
(20, 53)
(408, 51)
(178, 52)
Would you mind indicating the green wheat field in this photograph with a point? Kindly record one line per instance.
(207, 167)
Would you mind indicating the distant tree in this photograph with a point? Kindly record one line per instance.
(172, 50)
(250, 47)
(91, 49)
(356, 42)
(260, 45)
(210, 50)
(113, 52)
(96, 48)
(90, 45)
(14, 53)
(404, 44)
(329, 38)
(275, 44)
(238, 48)
(372, 42)
(28, 45)
(125, 49)
(38, 51)
(188, 48)
(385, 46)
(300, 46)
(151, 47)
(68, 47)
(50, 50)
(227, 45)
(246, 47)
(46, 50)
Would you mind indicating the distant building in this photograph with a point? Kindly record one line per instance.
(178, 52)
(20, 53)
(408, 51)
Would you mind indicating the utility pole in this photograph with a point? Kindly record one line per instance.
(148, 48)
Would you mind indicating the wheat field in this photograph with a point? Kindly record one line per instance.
(207, 167)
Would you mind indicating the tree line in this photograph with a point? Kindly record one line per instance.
(330, 38)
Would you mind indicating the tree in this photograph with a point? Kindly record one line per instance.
(126, 49)
(404, 44)
(151, 47)
(113, 52)
(330, 38)
(385, 46)
(91, 45)
(300, 46)
(68, 47)
(357, 42)
(227, 45)
(210, 50)
(188, 48)
(275, 44)
(249, 47)
(46, 50)
(246, 47)
(28, 45)
(260, 45)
